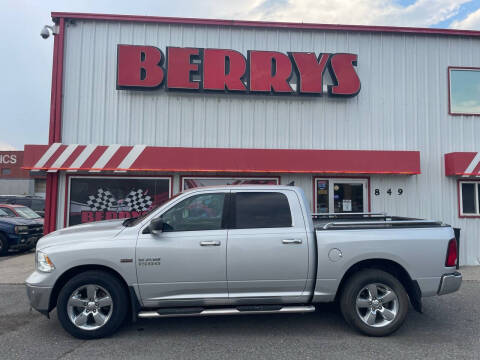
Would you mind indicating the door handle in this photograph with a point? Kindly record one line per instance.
(292, 241)
(210, 243)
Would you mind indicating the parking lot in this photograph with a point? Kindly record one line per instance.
(449, 328)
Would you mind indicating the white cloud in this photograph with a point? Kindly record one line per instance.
(366, 12)
(471, 22)
(6, 147)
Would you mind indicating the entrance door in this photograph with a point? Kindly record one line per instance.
(186, 263)
(339, 195)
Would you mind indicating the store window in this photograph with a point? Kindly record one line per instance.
(339, 195)
(6, 171)
(106, 198)
(470, 198)
(464, 91)
(193, 182)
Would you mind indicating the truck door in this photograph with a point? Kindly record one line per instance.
(267, 252)
(186, 263)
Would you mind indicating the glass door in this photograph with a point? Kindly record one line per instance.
(339, 195)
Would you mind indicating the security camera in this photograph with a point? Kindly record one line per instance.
(47, 29)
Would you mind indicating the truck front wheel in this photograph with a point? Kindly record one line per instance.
(374, 302)
(92, 305)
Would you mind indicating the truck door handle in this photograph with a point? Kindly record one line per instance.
(292, 241)
(210, 243)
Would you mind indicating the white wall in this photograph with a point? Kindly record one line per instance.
(402, 105)
(16, 187)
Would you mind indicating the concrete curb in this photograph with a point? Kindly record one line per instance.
(470, 273)
(15, 269)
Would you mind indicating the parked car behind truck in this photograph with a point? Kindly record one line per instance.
(21, 211)
(17, 233)
(241, 250)
(36, 203)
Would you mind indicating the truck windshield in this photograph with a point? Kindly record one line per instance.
(26, 212)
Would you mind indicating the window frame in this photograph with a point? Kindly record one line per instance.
(224, 222)
(232, 211)
(449, 70)
(342, 179)
(461, 214)
(206, 177)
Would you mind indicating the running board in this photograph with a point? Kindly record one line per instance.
(225, 311)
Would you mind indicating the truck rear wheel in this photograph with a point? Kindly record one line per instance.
(3, 245)
(92, 305)
(374, 302)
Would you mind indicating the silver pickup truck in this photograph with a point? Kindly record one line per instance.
(234, 250)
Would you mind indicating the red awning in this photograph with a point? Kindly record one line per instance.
(462, 164)
(96, 158)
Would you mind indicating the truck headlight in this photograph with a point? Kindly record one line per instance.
(21, 229)
(44, 264)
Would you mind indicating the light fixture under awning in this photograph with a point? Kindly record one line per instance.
(117, 158)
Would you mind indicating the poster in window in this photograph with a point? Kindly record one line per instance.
(107, 198)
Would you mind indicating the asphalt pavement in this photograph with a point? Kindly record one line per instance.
(449, 328)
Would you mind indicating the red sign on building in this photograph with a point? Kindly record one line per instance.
(196, 69)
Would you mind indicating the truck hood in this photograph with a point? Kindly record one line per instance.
(100, 230)
(17, 221)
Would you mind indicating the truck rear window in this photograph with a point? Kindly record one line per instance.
(262, 210)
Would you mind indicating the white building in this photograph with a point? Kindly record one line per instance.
(143, 107)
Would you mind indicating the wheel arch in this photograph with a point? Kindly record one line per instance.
(391, 267)
(134, 304)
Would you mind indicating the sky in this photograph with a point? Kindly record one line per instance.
(26, 58)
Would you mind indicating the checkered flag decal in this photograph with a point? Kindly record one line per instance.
(137, 201)
(103, 200)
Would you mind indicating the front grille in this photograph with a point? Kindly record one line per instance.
(35, 230)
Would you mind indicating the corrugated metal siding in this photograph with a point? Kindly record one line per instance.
(402, 106)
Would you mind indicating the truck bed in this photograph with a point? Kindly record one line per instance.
(353, 221)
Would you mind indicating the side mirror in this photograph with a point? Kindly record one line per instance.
(156, 226)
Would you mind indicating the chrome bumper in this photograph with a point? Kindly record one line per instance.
(450, 283)
(39, 298)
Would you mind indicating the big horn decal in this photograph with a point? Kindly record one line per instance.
(267, 72)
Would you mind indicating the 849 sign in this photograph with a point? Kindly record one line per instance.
(390, 192)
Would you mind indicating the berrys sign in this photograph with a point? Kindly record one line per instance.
(195, 69)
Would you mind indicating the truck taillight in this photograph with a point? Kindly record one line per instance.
(451, 253)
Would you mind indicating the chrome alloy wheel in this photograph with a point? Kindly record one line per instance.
(377, 305)
(90, 307)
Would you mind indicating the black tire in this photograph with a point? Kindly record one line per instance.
(3, 245)
(118, 295)
(352, 290)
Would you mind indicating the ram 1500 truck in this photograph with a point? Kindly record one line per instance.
(241, 250)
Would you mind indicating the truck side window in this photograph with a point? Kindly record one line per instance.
(262, 210)
(199, 212)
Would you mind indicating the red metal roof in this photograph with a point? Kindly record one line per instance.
(263, 24)
(462, 164)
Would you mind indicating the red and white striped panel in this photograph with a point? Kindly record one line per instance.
(96, 158)
(92, 158)
(463, 164)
